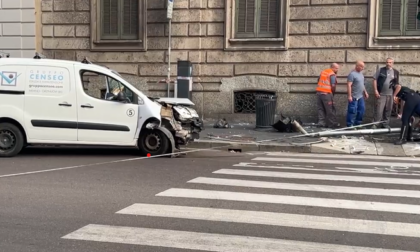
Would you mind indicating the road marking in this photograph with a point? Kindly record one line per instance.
(382, 180)
(291, 200)
(203, 241)
(275, 219)
(307, 187)
(332, 169)
(103, 163)
(332, 162)
(341, 156)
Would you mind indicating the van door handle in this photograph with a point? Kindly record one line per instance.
(87, 106)
(65, 104)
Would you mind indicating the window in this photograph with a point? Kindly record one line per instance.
(399, 18)
(256, 24)
(103, 87)
(257, 18)
(119, 20)
(118, 25)
(394, 24)
(245, 101)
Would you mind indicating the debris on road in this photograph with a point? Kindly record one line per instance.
(232, 138)
(222, 123)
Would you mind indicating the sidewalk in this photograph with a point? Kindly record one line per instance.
(245, 137)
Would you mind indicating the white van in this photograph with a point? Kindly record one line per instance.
(59, 102)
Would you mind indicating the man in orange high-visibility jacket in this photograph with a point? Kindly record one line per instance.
(325, 91)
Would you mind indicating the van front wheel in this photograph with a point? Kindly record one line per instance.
(153, 142)
(11, 140)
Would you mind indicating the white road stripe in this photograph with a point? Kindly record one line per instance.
(307, 187)
(332, 169)
(203, 241)
(343, 156)
(273, 174)
(291, 200)
(275, 219)
(332, 162)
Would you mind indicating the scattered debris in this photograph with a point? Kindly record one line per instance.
(232, 138)
(222, 123)
(321, 140)
(357, 150)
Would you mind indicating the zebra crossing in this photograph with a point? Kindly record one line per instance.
(374, 177)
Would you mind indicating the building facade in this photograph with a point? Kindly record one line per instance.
(17, 30)
(238, 47)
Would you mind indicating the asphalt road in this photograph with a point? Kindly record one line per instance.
(110, 200)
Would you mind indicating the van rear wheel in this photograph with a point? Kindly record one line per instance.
(153, 142)
(11, 140)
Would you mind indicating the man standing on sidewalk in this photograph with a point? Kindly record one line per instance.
(325, 91)
(355, 91)
(384, 95)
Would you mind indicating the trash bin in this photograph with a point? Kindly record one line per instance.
(265, 109)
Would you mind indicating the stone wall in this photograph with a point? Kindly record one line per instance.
(320, 32)
(17, 30)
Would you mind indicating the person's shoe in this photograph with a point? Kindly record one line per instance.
(410, 134)
(403, 134)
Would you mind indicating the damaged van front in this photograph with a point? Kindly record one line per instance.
(180, 118)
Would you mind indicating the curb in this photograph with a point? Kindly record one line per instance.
(246, 147)
(382, 150)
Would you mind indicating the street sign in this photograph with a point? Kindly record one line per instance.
(170, 9)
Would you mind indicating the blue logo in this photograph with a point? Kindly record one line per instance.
(44, 76)
(9, 78)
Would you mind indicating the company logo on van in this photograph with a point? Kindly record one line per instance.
(9, 78)
(46, 75)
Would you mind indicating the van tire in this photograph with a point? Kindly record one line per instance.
(10, 133)
(153, 142)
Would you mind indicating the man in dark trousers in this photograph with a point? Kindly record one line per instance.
(410, 104)
(325, 91)
(384, 95)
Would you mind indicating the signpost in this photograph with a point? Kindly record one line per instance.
(169, 16)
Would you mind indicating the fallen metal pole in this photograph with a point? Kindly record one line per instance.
(334, 130)
(299, 127)
(358, 132)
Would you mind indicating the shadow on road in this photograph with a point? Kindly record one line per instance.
(79, 151)
(117, 152)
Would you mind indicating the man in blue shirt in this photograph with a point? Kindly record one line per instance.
(356, 92)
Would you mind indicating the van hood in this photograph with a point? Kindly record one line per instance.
(175, 101)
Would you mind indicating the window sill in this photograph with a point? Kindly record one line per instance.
(254, 40)
(117, 41)
(256, 44)
(397, 43)
(118, 46)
